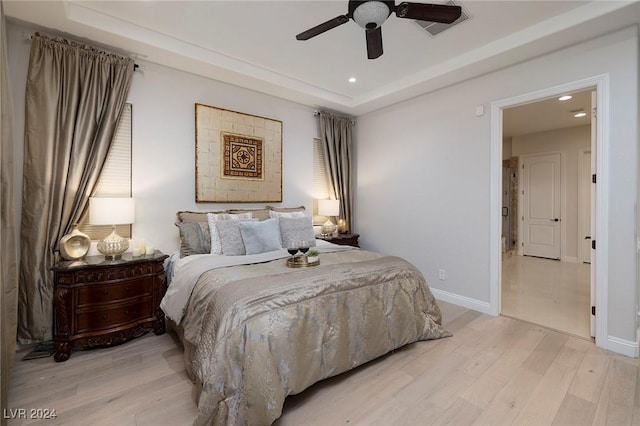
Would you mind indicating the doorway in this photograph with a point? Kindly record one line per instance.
(546, 281)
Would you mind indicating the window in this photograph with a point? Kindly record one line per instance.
(115, 179)
(320, 174)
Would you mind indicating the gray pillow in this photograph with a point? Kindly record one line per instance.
(213, 219)
(195, 238)
(230, 237)
(260, 237)
(295, 229)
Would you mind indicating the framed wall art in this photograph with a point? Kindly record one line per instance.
(238, 157)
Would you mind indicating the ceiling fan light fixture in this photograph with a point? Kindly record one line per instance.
(371, 15)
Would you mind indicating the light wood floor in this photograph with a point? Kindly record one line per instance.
(493, 371)
(548, 292)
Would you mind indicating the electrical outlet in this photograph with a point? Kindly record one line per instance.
(442, 274)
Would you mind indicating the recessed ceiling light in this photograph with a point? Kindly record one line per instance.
(352, 80)
(580, 114)
(565, 98)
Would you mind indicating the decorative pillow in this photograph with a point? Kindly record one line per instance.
(230, 237)
(260, 237)
(189, 216)
(213, 219)
(195, 238)
(295, 229)
(275, 214)
(286, 209)
(260, 214)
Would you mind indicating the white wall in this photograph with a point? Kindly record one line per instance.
(164, 139)
(568, 142)
(424, 173)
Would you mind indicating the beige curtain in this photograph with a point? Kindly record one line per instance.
(75, 94)
(8, 247)
(336, 134)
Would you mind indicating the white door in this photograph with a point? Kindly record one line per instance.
(584, 206)
(541, 205)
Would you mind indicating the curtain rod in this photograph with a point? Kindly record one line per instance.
(29, 36)
(317, 113)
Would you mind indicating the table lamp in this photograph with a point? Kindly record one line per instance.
(112, 211)
(328, 208)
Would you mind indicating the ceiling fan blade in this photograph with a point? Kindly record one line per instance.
(374, 43)
(443, 13)
(325, 26)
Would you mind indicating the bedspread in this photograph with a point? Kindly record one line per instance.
(254, 334)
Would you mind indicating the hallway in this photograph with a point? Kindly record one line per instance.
(547, 292)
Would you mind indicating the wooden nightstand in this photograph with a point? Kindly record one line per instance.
(98, 302)
(343, 239)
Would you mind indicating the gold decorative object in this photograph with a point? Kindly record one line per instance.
(342, 226)
(301, 262)
(74, 245)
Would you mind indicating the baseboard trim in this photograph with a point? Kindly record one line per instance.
(464, 301)
(621, 346)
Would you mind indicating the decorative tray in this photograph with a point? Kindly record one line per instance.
(301, 262)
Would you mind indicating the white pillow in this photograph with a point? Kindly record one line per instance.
(296, 229)
(213, 218)
(278, 215)
(260, 237)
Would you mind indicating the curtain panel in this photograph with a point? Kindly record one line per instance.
(336, 134)
(74, 97)
(8, 245)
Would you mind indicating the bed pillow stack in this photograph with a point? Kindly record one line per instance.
(242, 231)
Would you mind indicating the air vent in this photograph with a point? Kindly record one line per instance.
(435, 28)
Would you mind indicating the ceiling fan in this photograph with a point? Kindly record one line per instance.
(371, 14)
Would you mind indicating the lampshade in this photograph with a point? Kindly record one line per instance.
(111, 211)
(371, 14)
(328, 207)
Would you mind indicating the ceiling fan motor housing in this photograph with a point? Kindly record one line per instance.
(370, 14)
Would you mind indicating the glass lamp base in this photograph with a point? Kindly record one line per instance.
(113, 246)
(328, 228)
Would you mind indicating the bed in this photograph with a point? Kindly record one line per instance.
(255, 330)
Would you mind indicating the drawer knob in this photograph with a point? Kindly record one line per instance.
(127, 289)
(105, 317)
(126, 312)
(105, 291)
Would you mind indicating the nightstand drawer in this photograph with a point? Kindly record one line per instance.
(107, 318)
(109, 292)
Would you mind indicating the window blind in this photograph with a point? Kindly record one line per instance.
(115, 178)
(320, 174)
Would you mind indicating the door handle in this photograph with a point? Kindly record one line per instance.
(505, 211)
(588, 237)
(555, 220)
